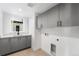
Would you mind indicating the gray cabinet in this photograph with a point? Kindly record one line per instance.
(62, 12)
(48, 19)
(5, 46)
(65, 14)
(14, 43)
(22, 42)
(8, 45)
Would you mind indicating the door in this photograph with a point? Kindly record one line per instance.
(5, 46)
(22, 42)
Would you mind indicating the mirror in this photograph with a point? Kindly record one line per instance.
(17, 26)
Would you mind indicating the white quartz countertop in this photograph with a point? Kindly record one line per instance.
(7, 36)
(72, 32)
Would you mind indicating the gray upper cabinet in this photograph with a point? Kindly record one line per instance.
(75, 14)
(69, 14)
(49, 18)
(52, 17)
(65, 14)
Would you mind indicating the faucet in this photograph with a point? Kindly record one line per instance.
(18, 33)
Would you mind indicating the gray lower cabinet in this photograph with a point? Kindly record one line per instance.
(15, 43)
(5, 46)
(28, 41)
(8, 45)
(23, 42)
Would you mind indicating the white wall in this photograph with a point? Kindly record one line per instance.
(1, 22)
(7, 23)
(38, 39)
(26, 25)
(32, 31)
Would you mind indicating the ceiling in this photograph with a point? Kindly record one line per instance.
(26, 8)
(41, 7)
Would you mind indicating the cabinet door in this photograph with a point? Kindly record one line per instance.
(61, 46)
(5, 46)
(52, 44)
(28, 41)
(52, 39)
(15, 43)
(65, 14)
(45, 43)
(19, 43)
(60, 43)
(22, 42)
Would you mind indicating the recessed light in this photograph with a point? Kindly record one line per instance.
(19, 9)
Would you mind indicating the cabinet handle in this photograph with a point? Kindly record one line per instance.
(57, 39)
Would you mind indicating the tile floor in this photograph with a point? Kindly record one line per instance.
(29, 52)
